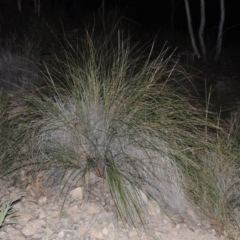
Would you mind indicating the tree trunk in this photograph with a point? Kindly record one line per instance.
(220, 32)
(201, 30)
(20, 6)
(190, 29)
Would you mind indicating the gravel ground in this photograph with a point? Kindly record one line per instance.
(41, 215)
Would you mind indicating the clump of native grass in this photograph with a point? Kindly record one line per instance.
(107, 114)
(106, 111)
(211, 168)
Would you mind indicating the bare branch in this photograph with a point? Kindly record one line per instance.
(20, 6)
(220, 31)
(201, 30)
(190, 29)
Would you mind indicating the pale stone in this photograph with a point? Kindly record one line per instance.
(105, 231)
(178, 226)
(91, 176)
(29, 230)
(41, 223)
(42, 200)
(73, 213)
(143, 236)
(133, 234)
(93, 209)
(112, 202)
(165, 221)
(153, 208)
(98, 235)
(175, 233)
(3, 235)
(77, 193)
(41, 214)
(157, 234)
(49, 232)
(143, 196)
(61, 234)
(190, 212)
(111, 226)
(55, 214)
(72, 210)
(81, 231)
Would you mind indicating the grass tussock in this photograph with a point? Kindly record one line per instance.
(105, 110)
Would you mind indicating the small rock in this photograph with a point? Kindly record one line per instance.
(98, 235)
(153, 208)
(105, 231)
(157, 234)
(73, 213)
(41, 214)
(72, 210)
(112, 203)
(55, 214)
(92, 175)
(29, 230)
(175, 233)
(49, 233)
(61, 234)
(41, 223)
(42, 200)
(81, 231)
(190, 212)
(77, 193)
(178, 226)
(3, 235)
(165, 221)
(143, 196)
(111, 226)
(133, 234)
(93, 209)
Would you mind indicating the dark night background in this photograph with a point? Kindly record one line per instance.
(155, 15)
(167, 18)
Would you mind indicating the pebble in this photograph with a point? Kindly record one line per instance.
(61, 234)
(105, 231)
(77, 193)
(42, 200)
(29, 229)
